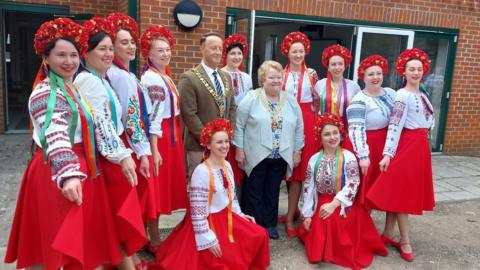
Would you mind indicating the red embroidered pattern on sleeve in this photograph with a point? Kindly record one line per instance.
(60, 155)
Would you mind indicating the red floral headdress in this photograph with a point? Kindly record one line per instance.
(411, 54)
(324, 119)
(60, 28)
(336, 49)
(234, 39)
(97, 24)
(119, 21)
(152, 33)
(294, 37)
(372, 60)
(214, 126)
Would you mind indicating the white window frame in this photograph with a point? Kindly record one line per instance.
(377, 30)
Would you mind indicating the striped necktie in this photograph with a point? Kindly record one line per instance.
(218, 86)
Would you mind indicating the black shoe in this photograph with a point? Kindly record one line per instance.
(272, 233)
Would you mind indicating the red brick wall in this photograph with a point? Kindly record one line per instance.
(462, 134)
(97, 7)
(463, 122)
(186, 52)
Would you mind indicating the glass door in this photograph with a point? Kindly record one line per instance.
(441, 50)
(21, 65)
(243, 22)
(388, 43)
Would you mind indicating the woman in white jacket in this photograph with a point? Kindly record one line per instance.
(269, 139)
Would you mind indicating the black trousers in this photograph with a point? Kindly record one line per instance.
(261, 191)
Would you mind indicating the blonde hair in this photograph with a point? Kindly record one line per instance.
(266, 65)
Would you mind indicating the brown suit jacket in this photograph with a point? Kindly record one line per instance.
(198, 106)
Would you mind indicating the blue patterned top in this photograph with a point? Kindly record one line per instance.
(368, 113)
(277, 123)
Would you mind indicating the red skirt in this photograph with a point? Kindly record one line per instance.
(238, 173)
(145, 187)
(349, 242)
(249, 251)
(125, 206)
(347, 143)
(407, 185)
(311, 145)
(171, 182)
(51, 231)
(376, 142)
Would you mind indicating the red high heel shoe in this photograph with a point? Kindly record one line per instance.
(388, 241)
(290, 232)
(407, 256)
(283, 219)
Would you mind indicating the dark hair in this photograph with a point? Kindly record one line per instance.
(94, 39)
(235, 45)
(52, 44)
(204, 37)
(124, 29)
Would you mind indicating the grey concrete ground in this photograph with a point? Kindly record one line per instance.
(447, 238)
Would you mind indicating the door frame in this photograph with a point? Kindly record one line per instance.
(231, 27)
(377, 30)
(435, 32)
(21, 7)
(449, 68)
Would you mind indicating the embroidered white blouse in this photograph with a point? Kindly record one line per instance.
(325, 184)
(160, 97)
(321, 89)
(96, 92)
(291, 85)
(368, 113)
(410, 110)
(63, 161)
(125, 86)
(242, 83)
(200, 210)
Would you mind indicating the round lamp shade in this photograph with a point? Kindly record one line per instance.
(187, 14)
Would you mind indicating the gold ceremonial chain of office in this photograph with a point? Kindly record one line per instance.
(219, 100)
(277, 111)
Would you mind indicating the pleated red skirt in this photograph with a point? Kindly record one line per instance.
(145, 188)
(311, 145)
(125, 206)
(51, 231)
(350, 242)
(249, 251)
(376, 142)
(407, 185)
(171, 182)
(238, 173)
(347, 144)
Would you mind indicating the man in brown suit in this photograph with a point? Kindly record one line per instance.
(206, 93)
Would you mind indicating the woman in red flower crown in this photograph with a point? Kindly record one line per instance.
(170, 178)
(135, 104)
(407, 162)
(336, 92)
(235, 48)
(215, 234)
(368, 115)
(118, 167)
(335, 229)
(299, 82)
(63, 217)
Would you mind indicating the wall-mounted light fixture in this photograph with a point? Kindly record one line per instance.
(187, 14)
